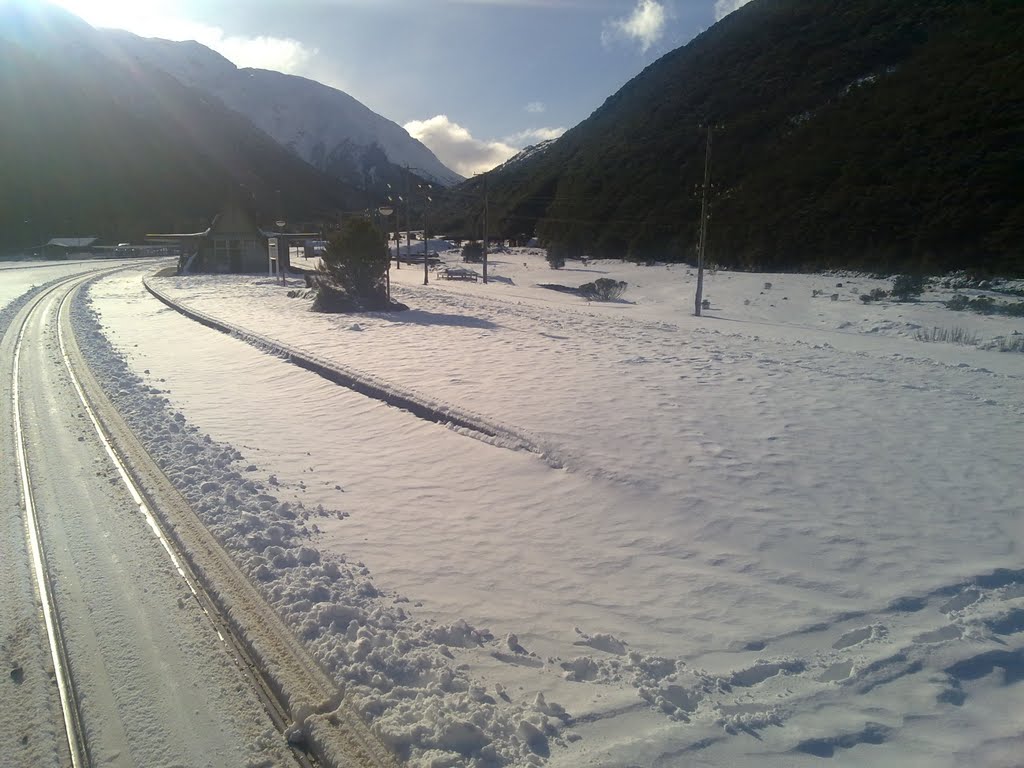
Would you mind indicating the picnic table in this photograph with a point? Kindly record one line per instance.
(459, 273)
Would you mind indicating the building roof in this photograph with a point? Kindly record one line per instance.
(165, 236)
(72, 242)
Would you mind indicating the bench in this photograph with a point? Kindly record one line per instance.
(459, 273)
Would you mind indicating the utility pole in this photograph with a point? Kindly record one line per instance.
(485, 227)
(703, 228)
(426, 237)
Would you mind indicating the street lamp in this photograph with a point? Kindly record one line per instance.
(385, 211)
(426, 239)
(282, 244)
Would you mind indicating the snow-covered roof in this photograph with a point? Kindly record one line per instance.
(72, 242)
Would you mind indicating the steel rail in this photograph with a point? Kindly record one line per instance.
(275, 709)
(69, 703)
(235, 647)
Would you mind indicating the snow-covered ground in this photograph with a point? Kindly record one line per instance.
(785, 530)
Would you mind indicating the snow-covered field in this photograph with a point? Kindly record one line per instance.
(782, 531)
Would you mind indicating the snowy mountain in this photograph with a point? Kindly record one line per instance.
(93, 143)
(531, 152)
(324, 126)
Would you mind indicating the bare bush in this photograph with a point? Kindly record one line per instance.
(603, 289)
(1013, 343)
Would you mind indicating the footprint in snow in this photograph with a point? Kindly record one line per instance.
(852, 638)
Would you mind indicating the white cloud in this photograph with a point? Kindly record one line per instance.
(156, 18)
(645, 25)
(459, 150)
(724, 7)
(536, 107)
(281, 54)
(456, 147)
(533, 136)
(278, 53)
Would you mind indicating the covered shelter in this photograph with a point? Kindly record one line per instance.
(64, 247)
(233, 243)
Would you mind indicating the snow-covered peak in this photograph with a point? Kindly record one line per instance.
(524, 154)
(324, 126)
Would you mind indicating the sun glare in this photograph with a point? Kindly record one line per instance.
(139, 16)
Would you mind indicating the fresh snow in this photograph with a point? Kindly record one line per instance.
(783, 531)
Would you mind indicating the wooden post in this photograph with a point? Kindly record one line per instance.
(485, 227)
(703, 228)
(426, 237)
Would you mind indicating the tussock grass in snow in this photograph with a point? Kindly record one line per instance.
(948, 335)
(1010, 343)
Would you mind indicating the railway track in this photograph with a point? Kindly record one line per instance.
(77, 748)
(279, 675)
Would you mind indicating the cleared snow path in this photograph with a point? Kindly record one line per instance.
(765, 514)
(151, 690)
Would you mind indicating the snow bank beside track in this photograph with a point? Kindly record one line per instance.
(397, 672)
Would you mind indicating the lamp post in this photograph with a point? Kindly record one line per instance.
(385, 211)
(280, 256)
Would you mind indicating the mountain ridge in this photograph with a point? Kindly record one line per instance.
(92, 146)
(325, 126)
(862, 134)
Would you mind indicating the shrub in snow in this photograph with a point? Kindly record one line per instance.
(603, 289)
(907, 287)
(353, 270)
(875, 295)
(958, 303)
(473, 252)
(555, 256)
(985, 305)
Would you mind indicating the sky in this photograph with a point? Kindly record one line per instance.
(474, 80)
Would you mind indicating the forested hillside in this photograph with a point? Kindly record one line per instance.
(854, 133)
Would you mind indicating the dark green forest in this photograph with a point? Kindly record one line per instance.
(864, 134)
(91, 145)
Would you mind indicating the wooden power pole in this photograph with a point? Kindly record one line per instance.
(426, 237)
(698, 300)
(485, 227)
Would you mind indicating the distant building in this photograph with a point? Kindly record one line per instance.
(233, 243)
(65, 247)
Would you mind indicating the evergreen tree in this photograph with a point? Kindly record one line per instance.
(356, 260)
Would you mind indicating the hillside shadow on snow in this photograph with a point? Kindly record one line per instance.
(421, 317)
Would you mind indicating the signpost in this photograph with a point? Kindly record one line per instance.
(272, 258)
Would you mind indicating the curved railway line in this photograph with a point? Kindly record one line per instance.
(275, 668)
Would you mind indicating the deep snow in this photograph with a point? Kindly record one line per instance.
(784, 530)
